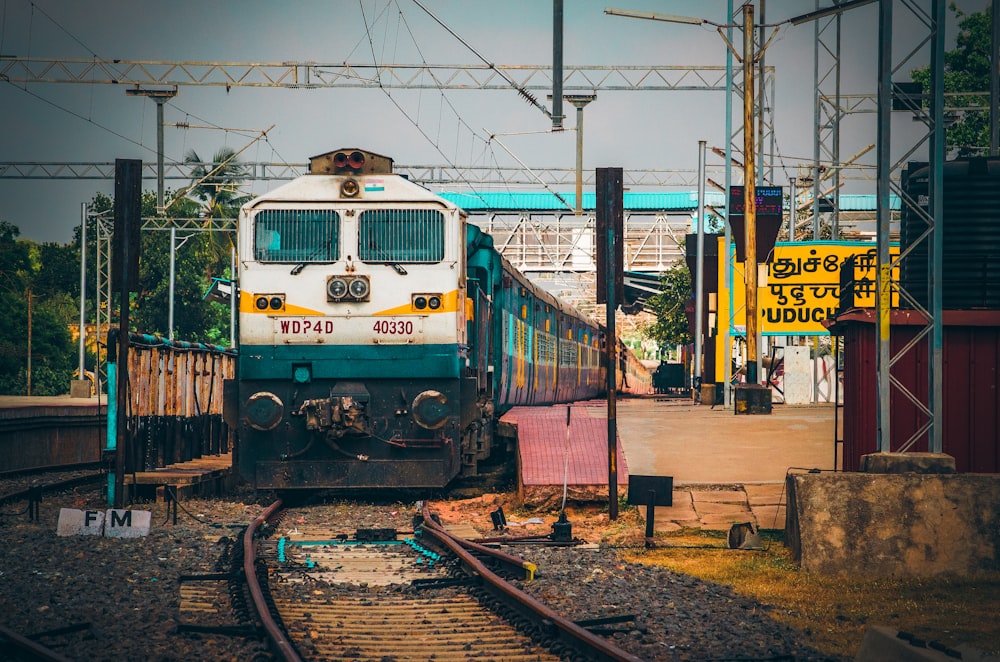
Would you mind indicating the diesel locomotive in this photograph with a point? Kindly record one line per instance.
(381, 335)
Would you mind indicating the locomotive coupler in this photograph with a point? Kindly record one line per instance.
(337, 414)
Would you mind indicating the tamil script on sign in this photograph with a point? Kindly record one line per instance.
(802, 287)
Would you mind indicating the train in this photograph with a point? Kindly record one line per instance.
(381, 335)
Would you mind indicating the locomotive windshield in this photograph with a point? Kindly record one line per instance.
(297, 235)
(411, 236)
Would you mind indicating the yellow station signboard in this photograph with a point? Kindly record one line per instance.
(801, 287)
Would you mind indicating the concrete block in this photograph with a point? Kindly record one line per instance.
(752, 399)
(901, 463)
(79, 388)
(128, 523)
(73, 522)
(894, 524)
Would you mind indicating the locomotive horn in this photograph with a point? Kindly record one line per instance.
(356, 160)
(340, 160)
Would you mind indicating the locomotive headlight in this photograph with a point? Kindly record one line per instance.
(263, 411)
(434, 303)
(360, 288)
(349, 188)
(430, 410)
(261, 303)
(336, 288)
(419, 302)
(277, 303)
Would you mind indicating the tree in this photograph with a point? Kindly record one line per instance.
(671, 325)
(216, 186)
(26, 284)
(967, 69)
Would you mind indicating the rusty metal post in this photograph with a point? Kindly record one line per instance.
(749, 195)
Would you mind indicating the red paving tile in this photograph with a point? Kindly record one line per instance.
(541, 434)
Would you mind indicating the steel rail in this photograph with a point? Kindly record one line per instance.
(275, 634)
(26, 645)
(50, 487)
(569, 632)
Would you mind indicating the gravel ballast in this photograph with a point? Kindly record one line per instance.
(129, 590)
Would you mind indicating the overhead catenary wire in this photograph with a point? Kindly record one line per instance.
(548, 188)
(92, 53)
(520, 90)
(415, 123)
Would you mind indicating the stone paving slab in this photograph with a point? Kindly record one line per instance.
(717, 510)
(719, 496)
(770, 494)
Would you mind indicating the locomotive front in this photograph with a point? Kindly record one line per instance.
(352, 331)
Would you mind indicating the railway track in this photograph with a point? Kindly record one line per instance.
(31, 485)
(382, 594)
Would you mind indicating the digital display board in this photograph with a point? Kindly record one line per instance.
(768, 200)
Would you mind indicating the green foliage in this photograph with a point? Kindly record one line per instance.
(195, 319)
(967, 69)
(51, 273)
(199, 255)
(217, 185)
(51, 347)
(671, 325)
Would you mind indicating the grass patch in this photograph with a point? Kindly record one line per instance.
(834, 612)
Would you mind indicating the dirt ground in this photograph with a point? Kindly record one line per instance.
(589, 522)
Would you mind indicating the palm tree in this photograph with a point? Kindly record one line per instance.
(216, 186)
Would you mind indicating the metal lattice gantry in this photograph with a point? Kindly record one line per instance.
(556, 247)
(312, 75)
(425, 174)
(926, 40)
(921, 45)
(826, 149)
(555, 241)
(298, 75)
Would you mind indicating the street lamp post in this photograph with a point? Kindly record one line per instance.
(160, 97)
(699, 270)
(579, 101)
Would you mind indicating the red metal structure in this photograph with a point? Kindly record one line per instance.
(970, 385)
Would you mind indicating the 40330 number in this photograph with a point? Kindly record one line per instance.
(393, 327)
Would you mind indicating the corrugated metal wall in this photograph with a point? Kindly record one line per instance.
(970, 232)
(970, 383)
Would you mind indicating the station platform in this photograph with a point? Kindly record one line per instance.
(56, 430)
(209, 475)
(726, 468)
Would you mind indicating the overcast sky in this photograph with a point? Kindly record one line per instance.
(633, 130)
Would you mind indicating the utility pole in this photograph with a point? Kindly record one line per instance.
(793, 198)
(749, 195)
(28, 371)
(699, 280)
